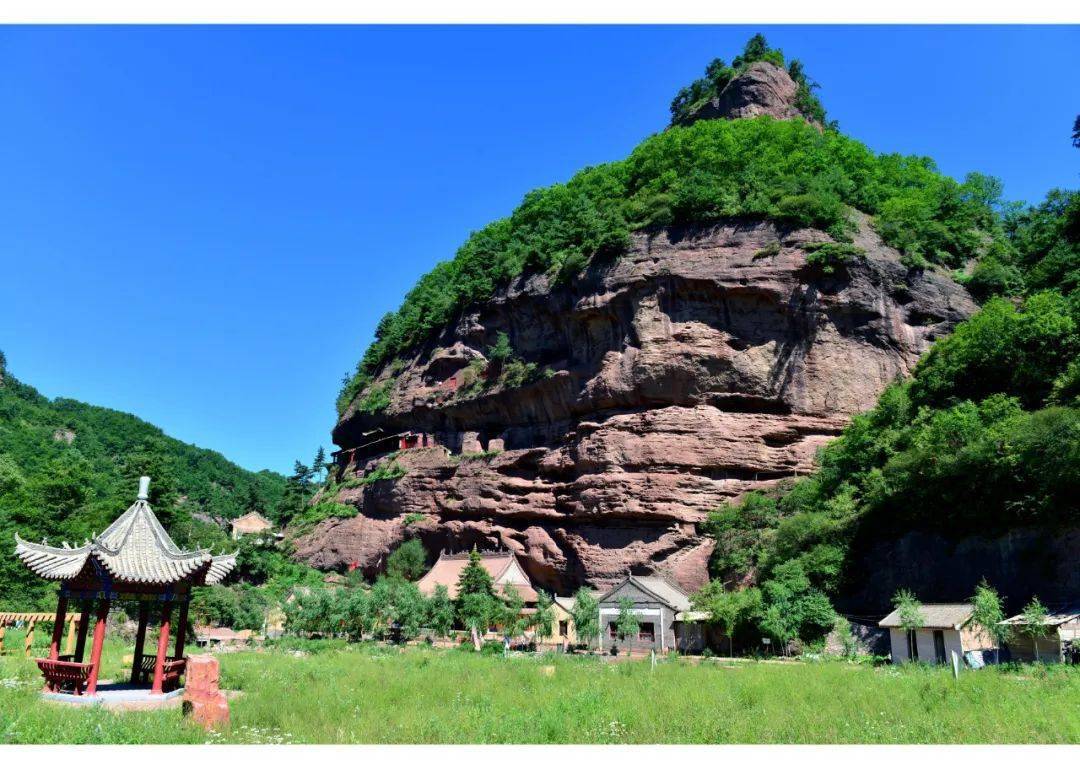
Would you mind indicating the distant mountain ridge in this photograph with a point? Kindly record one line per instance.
(68, 468)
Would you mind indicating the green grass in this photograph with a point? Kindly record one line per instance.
(339, 694)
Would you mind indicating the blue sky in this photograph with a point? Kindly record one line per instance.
(202, 226)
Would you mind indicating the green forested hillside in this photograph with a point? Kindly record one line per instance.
(67, 469)
(984, 438)
(787, 171)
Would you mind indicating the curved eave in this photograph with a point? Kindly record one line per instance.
(220, 566)
(49, 562)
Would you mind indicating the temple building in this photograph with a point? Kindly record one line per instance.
(503, 566)
(133, 559)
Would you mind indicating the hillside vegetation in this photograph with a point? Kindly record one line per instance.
(985, 437)
(787, 171)
(68, 469)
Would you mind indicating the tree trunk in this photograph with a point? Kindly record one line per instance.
(475, 638)
(730, 646)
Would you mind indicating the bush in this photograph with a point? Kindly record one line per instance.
(830, 257)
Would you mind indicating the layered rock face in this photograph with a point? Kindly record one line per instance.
(702, 364)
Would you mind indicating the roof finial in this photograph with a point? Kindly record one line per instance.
(144, 487)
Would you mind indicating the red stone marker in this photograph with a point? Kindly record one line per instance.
(203, 701)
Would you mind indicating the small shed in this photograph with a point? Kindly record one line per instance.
(664, 613)
(1060, 644)
(946, 628)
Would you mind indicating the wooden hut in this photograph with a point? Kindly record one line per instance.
(133, 559)
(1060, 643)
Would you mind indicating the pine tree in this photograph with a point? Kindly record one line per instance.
(477, 605)
(474, 578)
(318, 465)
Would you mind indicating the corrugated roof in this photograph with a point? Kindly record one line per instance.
(934, 616)
(501, 566)
(134, 549)
(1056, 615)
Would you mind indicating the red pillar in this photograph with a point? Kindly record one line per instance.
(58, 627)
(140, 642)
(162, 648)
(84, 623)
(95, 650)
(181, 630)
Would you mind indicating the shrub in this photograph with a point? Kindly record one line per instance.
(830, 257)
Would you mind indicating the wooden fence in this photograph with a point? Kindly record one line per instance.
(31, 619)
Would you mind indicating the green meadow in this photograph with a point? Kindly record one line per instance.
(332, 693)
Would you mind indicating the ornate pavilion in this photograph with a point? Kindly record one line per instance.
(133, 559)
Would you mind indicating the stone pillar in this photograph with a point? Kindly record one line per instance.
(203, 702)
(470, 442)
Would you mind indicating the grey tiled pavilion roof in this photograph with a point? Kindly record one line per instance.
(133, 549)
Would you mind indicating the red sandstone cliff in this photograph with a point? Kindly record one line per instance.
(701, 365)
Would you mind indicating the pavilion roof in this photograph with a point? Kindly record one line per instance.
(133, 549)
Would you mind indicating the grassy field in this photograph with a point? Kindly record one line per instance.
(385, 695)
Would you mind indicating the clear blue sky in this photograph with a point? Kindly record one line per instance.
(202, 226)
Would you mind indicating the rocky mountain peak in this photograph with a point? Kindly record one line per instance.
(762, 89)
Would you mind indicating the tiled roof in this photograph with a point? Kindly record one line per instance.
(666, 590)
(934, 616)
(134, 549)
(503, 567)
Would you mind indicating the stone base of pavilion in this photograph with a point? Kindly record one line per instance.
(119, 696)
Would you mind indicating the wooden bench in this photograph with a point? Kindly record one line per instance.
(64, 674)
(173, 669)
